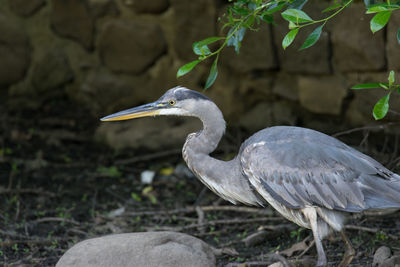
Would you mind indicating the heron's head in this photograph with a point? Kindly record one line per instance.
(176, 101)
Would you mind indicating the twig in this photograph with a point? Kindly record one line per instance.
(278, 257)
(149, 157)
(9, 243)
(371, 127)
(55, 219)
(15, 235)
(226, 251)
(308, 248)
(370, 230)
(249, 263)
(26, 191)
(224, 221)
(200, 219)
(191, 209)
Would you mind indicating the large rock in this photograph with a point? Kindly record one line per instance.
(26, 8)
(189, 26)
(392, 45)
(131, 46)
(256, 53)
(151, 249)
(381, 254)
(147, 133)
(15, 52)
(153, 6)
(322, 94)
(356, 48)
(313, 60)
(51, 71)
(392, 261)
(72, 19)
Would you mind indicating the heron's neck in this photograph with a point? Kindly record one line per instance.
(223, 177)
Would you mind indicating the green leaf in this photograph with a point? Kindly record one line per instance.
(236, 39)
(381, 107)
(366, 86)
(268, 18)
(376, 9)
(292, 25)
(398, 36)
(187, 68)
(213, 74)
(380, 20)
(240, 11)
(289, 38)
(298, 4)
(391, 78)
(200, 48)
(333, 7)
(384, 86)
(274, 8)
(249, 22)
(296, 16)
(312, 38)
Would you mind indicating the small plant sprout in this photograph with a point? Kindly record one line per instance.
(381, 107)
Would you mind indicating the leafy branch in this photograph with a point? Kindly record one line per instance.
(381, 107)
(297, 17)
(249, 14)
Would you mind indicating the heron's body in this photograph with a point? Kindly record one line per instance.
(310, 178)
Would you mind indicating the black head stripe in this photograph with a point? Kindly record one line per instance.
(189, 94)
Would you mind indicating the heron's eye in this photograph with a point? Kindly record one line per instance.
(172, 102)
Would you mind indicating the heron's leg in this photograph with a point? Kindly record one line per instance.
(349, 253)
(311, 215)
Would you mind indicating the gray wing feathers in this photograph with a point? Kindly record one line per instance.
(300, 173)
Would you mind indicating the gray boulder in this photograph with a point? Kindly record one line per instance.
(140, 249)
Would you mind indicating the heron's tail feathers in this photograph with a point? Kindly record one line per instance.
(381, 194)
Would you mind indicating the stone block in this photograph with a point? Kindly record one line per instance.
(267, 114)
(15, 51)
(256, 53)
(193, 21)
(256, 89)
(286, 86)
(313, 60)
(153, 6)
(72, 19)
(355, 47)
(392, 45)
(104, 92)
(147, 133)
(323, 94)
(131, 46)
(51, 71)
(101, 8)
(25, 8)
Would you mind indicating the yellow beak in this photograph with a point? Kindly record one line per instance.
(151, 109)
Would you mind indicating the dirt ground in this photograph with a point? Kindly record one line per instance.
(58, 187)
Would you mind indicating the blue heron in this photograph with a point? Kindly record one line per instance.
(310, 178)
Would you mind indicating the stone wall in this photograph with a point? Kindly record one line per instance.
(113, 54)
